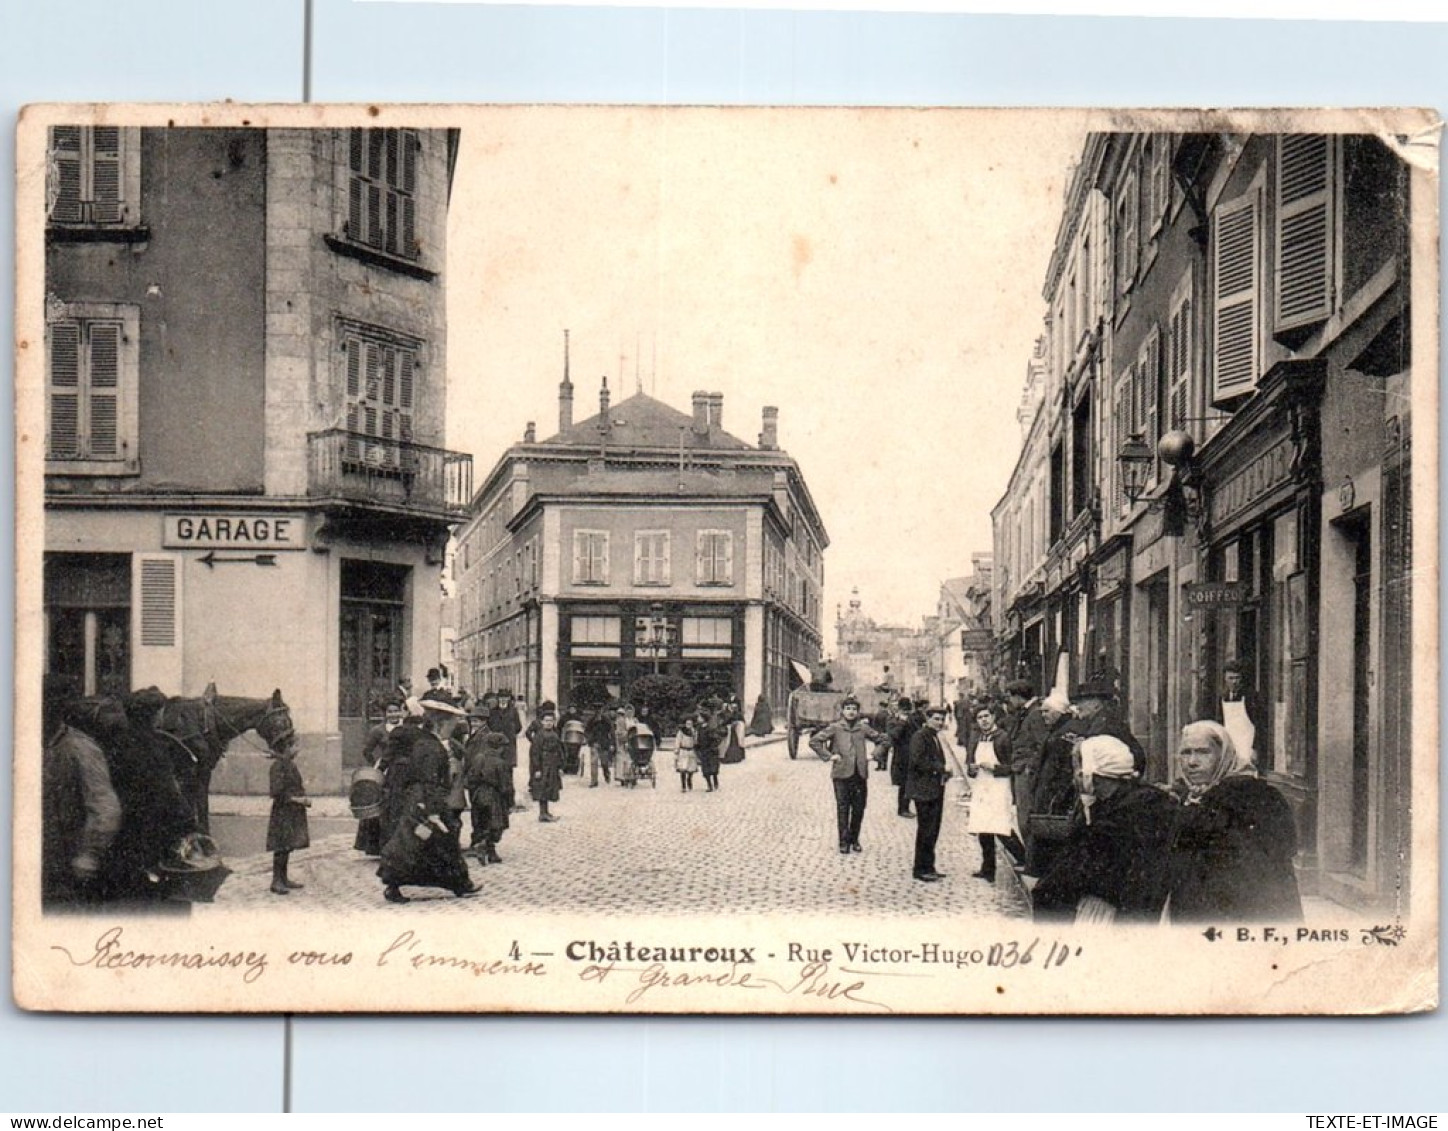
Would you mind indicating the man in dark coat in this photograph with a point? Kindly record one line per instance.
(503, 718)
(925, 785)
(901, 730)
(490, 789)
(1118, 854)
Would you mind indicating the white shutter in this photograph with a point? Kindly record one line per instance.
(665, 566)
(603, 545)
(728, 539)
(1304, 229)
(702, 551)
(156, 603)
(1236, 256)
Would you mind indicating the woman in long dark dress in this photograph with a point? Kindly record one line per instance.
(545, 761)
(423, 850)
(708, 735)
(1232, 849)
(762, 722)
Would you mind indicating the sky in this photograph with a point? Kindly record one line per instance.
(876, 274)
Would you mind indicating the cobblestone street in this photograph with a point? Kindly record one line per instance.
(765, 843)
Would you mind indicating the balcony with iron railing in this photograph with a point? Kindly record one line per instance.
(397, 475)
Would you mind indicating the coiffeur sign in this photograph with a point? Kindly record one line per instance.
(234, 531)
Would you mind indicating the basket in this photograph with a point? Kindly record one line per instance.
(365, 796)
(1050, 826)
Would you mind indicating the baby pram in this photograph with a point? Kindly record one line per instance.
(641, 745)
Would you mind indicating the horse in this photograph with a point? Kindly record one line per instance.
(202, 728)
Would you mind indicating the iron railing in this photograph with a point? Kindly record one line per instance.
(359, 468)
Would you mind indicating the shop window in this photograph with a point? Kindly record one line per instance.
(93, 364)
(88, 620)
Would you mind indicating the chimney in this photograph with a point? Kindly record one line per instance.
(769, 437)
(701, 413)
(605, 424)
(716, 411)
(565, 393)
(530, 433)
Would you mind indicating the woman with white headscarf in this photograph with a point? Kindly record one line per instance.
(1231, 854)
(1114, 864)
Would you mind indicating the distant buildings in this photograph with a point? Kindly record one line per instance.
(1217, 467)
(245, 398)
(641, 540)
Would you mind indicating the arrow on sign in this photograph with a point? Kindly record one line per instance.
(211, 559)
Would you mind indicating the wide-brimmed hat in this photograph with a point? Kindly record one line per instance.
(443, 708)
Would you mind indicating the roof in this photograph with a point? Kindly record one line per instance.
(640, 421)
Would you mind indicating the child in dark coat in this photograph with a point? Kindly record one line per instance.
(490, 787)
(286, 831)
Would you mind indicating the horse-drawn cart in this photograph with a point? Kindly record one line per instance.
(809, 711)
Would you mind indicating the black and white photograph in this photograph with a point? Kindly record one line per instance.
(641, 559)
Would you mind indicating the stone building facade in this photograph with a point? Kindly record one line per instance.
(641, 540)
(1225, 440)
(246, 359)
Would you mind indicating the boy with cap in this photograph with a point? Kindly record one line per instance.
(845, 744)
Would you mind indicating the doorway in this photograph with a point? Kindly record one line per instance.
(371, 658)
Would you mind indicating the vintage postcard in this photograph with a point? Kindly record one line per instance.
(726, 560)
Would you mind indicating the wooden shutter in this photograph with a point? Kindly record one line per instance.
(580, 550)
(1236, 256)
(603, 557)
(1121, 413)
(1304, 229)
(641, 552)
(1180, 359)
(665, 574)
(66, 163)
(728, 540)
(703, 554)
(106, 205)
(158, 602)
(64, 400)
(104, 392)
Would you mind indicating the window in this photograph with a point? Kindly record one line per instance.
(1126, 234)
(92, 353)
(1179, 355)
(590, 557)
(1158, 187)
(1304, 229)
(93, 177)
(651, 557)
(1082, 479)
(382, 190)
(715, 558)
(707, 632)
(381, 370)
(1122, 417)
(1148, 392)
(596, 630)
(1236, 272)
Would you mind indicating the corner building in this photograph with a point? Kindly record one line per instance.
(641, 540)
(246, 357)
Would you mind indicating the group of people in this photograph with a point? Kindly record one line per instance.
(1059, 785)
(905, 738)
(437, 761)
